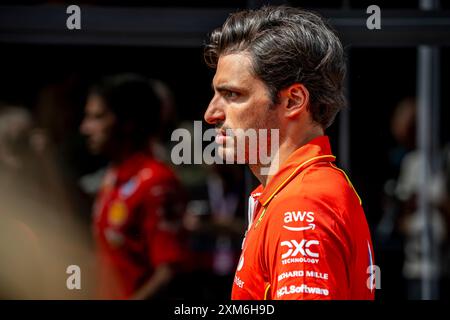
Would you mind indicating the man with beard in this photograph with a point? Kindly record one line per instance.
(282, 68)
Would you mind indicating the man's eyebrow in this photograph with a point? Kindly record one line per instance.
(226, 87)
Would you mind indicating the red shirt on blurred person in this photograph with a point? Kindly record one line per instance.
(136, 224)
(138, 210)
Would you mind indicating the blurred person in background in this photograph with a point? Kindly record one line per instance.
(139, 207)
(401, 225)
(159, 142)
(39, 237)
(388, 235)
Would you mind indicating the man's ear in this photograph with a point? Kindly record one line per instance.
(296, 100)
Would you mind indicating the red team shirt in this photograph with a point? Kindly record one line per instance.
(308, 237)
(136, 224)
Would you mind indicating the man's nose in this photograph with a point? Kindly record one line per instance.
(215, 112)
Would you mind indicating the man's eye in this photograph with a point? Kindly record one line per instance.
(231, 94)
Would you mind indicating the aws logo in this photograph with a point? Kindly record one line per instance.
(299, 216)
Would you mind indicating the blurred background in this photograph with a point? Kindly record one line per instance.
(393, 140)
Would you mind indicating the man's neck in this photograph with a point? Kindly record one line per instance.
(287, 147)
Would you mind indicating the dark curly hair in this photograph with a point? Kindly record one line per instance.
(287, 45)
(132, 98)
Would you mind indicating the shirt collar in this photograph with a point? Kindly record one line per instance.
(316, 150)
